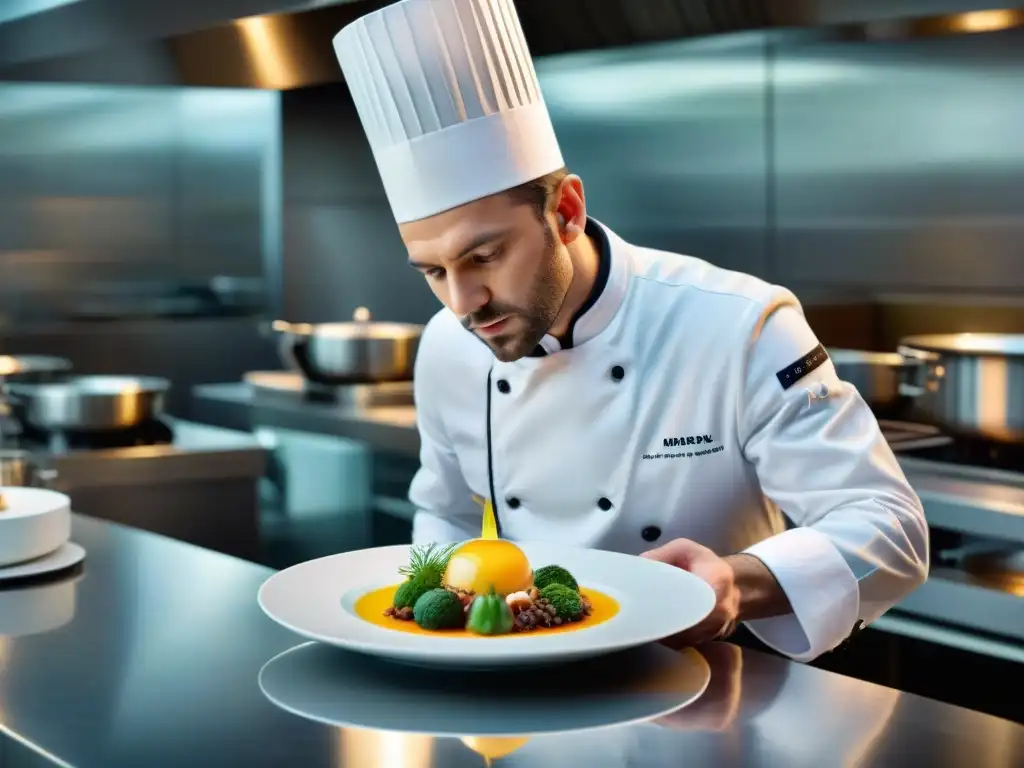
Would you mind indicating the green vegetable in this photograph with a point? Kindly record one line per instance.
(567, 602)
(410, 590)
(554, 574)
(439, 609)
(490, 615)
(428, 562)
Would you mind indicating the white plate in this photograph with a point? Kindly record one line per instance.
(316, 599)
(343, 689)
(35, 522)
(66, 556)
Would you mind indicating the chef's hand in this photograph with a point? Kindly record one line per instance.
(716, 571)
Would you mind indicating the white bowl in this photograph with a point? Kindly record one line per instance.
(35, 522)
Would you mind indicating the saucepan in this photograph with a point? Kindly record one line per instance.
(358, 352)
(32, 368)
(89, 403)
(982, 392)
(888, 381)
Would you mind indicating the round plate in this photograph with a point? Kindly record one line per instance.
(68, 555)
(316, 599)
(339, 688)
(35, 522)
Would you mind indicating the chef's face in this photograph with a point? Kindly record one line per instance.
(499, 265)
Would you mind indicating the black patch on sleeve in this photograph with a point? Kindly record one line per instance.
(792, 373)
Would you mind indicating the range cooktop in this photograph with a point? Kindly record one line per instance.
(155, 432)
(291, 386)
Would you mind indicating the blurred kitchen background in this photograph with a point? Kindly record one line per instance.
(176, 177)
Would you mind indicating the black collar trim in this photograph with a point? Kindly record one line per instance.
(604, 268)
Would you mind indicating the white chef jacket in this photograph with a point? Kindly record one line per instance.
(688, 401)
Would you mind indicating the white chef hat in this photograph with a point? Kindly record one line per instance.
(449, 99)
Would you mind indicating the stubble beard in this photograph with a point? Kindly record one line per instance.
(546, 298)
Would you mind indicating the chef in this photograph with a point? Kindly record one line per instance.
(603, 394)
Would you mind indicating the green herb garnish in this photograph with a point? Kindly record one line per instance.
(427, 563)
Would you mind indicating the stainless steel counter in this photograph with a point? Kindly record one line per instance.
(198, 452)
(152, 657)
(202, 488)
(386, 428)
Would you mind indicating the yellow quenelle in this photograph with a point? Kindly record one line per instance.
(479, 564)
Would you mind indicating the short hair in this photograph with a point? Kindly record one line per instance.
(538, 192)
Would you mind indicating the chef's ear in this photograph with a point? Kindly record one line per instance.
(571, 210)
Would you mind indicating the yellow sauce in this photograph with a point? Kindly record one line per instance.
(371, 606)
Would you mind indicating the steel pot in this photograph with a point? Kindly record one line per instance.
(30, 369)
(349, 353)
(89, 403)
(876, 375)
(982, 376)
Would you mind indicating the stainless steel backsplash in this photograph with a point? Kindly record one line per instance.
(136, 187)
(899, 166)
(102, 183)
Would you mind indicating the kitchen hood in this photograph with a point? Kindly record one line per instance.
(285, 44)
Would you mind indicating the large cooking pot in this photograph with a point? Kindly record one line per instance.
(982, 383)
(359, 352)
(89, 403)
(876, 375)
(32, 369)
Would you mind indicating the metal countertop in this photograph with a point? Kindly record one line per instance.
(152, 656)
(197, 452)
(232, 405)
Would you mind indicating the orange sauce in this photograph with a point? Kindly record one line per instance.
(371, 606)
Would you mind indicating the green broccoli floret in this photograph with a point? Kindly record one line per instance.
(554, 574)
(439, 609)
(567, 601)
(410, 590)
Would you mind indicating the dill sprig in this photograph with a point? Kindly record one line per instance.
(427, 560)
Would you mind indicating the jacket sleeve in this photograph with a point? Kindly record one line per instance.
(860, 541)
(445, 510)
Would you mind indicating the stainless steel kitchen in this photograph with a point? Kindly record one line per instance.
(209, 332)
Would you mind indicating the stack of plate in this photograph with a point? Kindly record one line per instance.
(35, 532)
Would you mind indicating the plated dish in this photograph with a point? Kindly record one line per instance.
(349, 600)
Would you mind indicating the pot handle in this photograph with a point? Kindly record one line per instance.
(925, 372)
